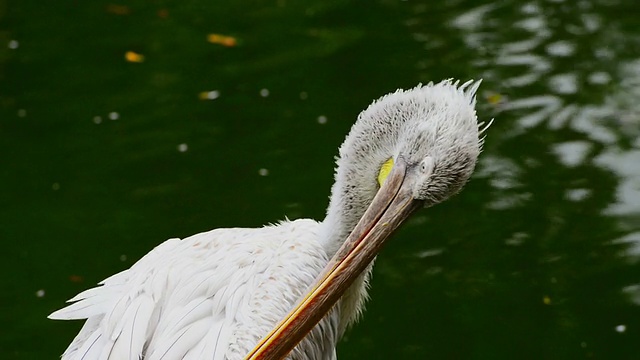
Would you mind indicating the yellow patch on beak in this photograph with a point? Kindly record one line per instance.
(385, 169)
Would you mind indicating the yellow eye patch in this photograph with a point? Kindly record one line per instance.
(385, 169)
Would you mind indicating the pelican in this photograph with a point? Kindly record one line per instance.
(288, 290)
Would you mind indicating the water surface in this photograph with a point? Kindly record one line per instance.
(121, 125)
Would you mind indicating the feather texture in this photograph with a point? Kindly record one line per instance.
(197, 298)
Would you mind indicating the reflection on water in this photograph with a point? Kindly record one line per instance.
(543, 38)
(129, 124)
(562, 164)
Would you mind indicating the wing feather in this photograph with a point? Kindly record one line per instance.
(215, 343)
(181, 318)
(82, 309)
(112, 319)
(93, 348)
(210, 296)
(180, 343)
(89, 293)
(132, 329)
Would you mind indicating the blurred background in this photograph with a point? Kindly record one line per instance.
(126, 123)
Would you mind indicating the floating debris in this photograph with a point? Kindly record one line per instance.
(304, 95)
(263, 172)
(495, 98)
(209, 95)
(40, 293)
(183, 147)
(546, 300)
(76, 278)
(322, 119)
(163, 13)
(97, 119)
(134, 57)
(264, 92)
(13, 44)
(118, 9)
(114, 115)
(223, 40)
(123, 257)
(621, 328)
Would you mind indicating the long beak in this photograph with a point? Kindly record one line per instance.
(391, 206)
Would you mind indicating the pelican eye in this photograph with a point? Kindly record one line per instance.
(385, 169)
(427, 165)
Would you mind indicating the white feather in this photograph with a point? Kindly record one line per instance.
(83, 309)
(181, 342)
(93, 348)
(130, 333)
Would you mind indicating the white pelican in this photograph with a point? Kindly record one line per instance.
(214, 295)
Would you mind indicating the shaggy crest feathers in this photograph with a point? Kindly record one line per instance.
(434, 126)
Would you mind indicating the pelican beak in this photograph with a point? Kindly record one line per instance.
(391, 206)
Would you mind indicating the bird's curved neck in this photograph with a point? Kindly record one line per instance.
(353, 191)
(348, 203)
(356, 181)
(335, 229)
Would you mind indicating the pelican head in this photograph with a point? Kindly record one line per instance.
(409, 149)
(430, 131)
(432, 128)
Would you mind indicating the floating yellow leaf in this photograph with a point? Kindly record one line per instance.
(134, 57)
(118, 9)
(222, 40)
(76, 278)
(209, 95)
(546, 300)
(496, 99)
(163, 13)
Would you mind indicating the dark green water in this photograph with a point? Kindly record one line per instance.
(538, 258)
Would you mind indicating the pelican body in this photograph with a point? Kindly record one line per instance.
(291, 289)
